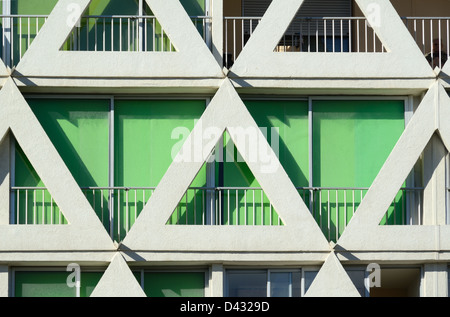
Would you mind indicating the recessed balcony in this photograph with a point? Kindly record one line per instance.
(134, 33)
(340, 35)
(119, 207)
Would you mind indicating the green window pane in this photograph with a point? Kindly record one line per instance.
(351, 142)
(285, 126)
(148, 134)
(89, 281)
(24, 30)
(42, 284)
(53, 284)
(144, 145)
(286, 123)
(113, 7)
(27, 7)
(174, 284)
(194, 7)
(247, 284)
(79, 130)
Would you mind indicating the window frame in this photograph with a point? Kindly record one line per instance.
(46, 269)
(143, 270)
(267, 272)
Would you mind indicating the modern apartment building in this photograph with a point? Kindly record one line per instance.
(224, 148)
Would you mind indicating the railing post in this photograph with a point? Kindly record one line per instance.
(7, 36)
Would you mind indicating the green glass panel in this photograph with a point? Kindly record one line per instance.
(194, 7)
(352, 140)
(88, 282)
(27, 7)
(25, 29)
(79, 130)
(42, 284)
(174, 284)
(285, 125)
(113, 7)
(53, 284)
(146, 140)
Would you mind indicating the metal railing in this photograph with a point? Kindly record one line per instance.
(144, 33)
(127, 34)
(248, 206)
(333, 207)
(338, 35)
(116, 207)
(18, 32)
(119, 207)
(93, 33)
(425, 31)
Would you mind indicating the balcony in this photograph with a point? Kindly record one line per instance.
(338, 35)
(94, 33)
(144, 33)
(119, 207)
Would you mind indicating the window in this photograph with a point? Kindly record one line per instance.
(52, 283)
(172, 283)
(116, 149)
(263, 283)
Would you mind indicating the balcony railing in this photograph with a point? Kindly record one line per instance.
(119, 207)
(144, 33)
(18, 32)
(94, 33)
(127, 34)
(336, 35)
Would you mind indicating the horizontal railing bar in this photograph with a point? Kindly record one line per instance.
(23, 16)
(217, 188)
(97, 16)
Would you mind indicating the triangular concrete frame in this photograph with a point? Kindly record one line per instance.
(44, 58)
(332, 281)
(363, 231)
(84, 230)
(299, 232)
(403, 59)
(118, 281)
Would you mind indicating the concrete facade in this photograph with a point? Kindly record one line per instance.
(259, 70)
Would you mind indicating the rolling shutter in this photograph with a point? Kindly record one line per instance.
(310, 8)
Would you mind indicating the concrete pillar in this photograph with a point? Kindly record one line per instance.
(4, 281)
(4, 179)
(435, 280)
(434, 182)
(216, 281)
(217, 30)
